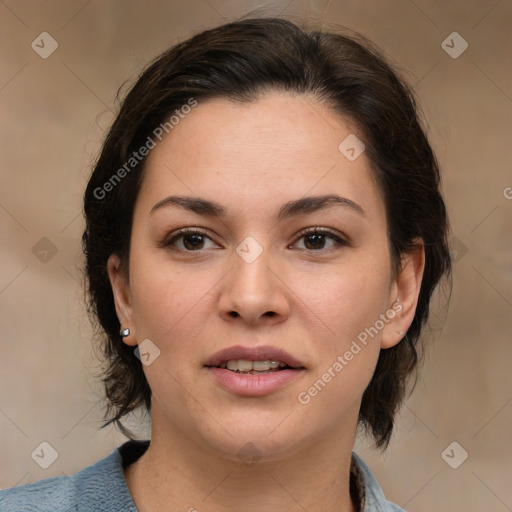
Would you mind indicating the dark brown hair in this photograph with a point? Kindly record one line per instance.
(239, 61)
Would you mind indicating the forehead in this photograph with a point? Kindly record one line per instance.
(273, 149)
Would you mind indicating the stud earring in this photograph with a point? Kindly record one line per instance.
(124, 332)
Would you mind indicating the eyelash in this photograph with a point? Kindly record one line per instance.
(338, 240)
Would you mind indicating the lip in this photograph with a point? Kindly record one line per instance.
(254, 385)
(249, 384)
(260, 353)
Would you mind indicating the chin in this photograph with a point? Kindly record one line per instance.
(258, 439)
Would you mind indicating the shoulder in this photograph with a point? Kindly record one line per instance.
(50, 494)
(100, 486)
(374, 499)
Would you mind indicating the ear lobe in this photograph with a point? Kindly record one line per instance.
(122, 298)
(406, 290)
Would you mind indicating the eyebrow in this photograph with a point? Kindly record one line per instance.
(304, 205)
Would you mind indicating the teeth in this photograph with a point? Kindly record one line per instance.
(244, 365)
(259, 365)
(232, 365)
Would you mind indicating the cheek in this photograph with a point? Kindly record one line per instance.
(346, 348)
(349, 303)
(167, 301)
(351, 299)
(171, 309)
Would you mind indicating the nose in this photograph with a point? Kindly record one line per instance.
(253, 292)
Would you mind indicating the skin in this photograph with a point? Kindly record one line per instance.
(310, 297)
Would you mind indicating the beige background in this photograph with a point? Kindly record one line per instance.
(54, 113)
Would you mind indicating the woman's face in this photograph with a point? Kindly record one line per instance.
(248, 180)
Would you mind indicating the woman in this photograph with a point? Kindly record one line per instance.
(264, 231)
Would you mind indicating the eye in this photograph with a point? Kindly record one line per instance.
(189, 240)
(312, 239)
(317, 239)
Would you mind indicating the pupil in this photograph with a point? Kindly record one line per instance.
(317, 241)
(193, 241)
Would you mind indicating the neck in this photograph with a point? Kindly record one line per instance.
(174, 473)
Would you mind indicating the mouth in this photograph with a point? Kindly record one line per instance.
(254, 371)
(260, 367)
(254, 360)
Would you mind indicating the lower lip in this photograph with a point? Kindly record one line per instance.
(254, 385)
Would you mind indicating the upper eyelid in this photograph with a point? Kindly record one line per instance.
(320, 229)
(339, 238)
(183, 232)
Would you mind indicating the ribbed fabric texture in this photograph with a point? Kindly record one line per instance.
(102, 488)
(97, 488)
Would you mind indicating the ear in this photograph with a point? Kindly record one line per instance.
(404, 295)
(122, 298)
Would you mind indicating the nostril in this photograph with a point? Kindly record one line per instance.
(234, 314)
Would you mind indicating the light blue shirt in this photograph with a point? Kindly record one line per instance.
(102, 488)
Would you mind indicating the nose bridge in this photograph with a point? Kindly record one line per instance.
(252, 269)
(253, 290)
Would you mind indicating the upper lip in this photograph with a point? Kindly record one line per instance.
(258, 353)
